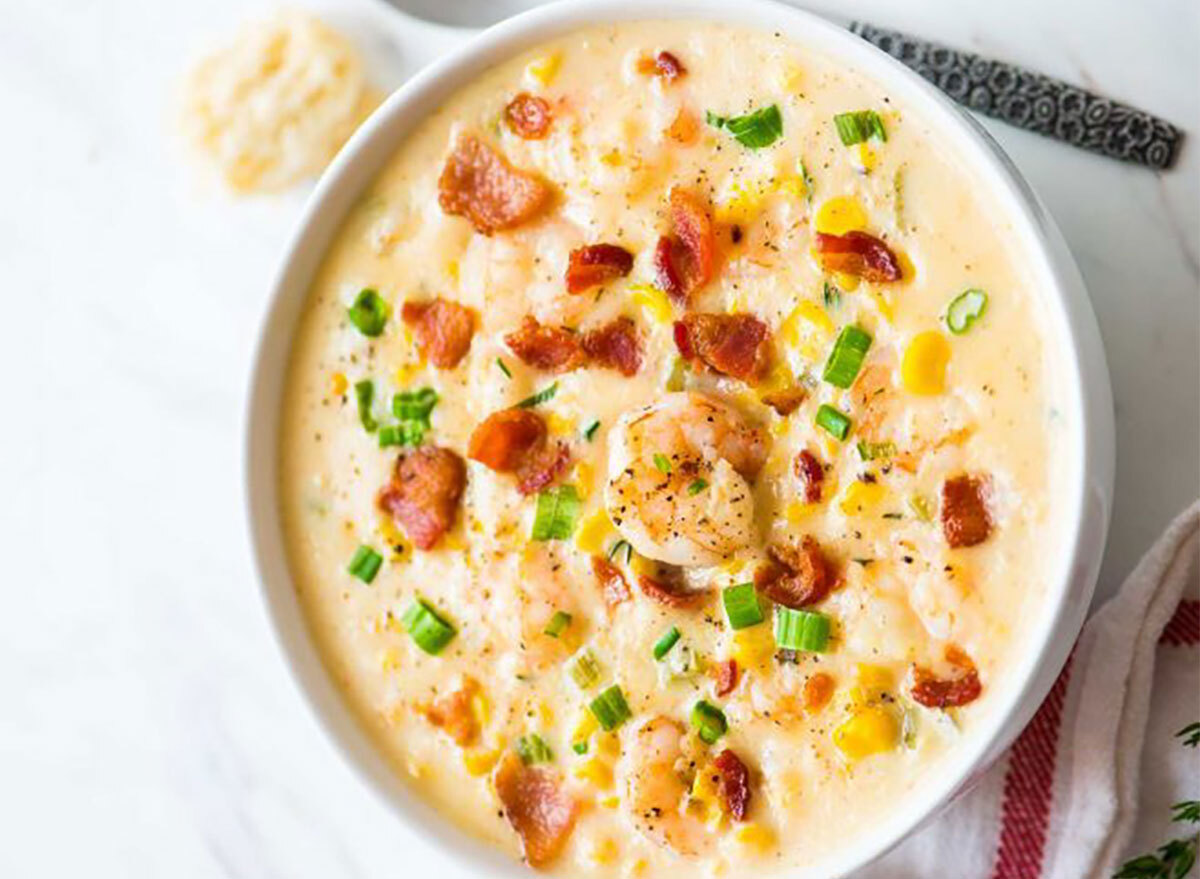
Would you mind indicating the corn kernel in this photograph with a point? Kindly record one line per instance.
(452, 270)
(558, 425)
(479, 761)
(807, 329)
(752, 647)
(594, 532)
(609, 745)
(612, 158)
(583, 478)
(869, 730)
(867, 158)
(654, 303)
(338, 384)
(595, 772)
(756, 836)
(706, 798)
(610, 802)
(584, 728)
(840, 215)
(543, 69)
(923, 369)
(604, 851)
(862, 497)
(389, 660)
(480, 710)
(793, 76)
(744, 202)
(883, 303)
(642, 566)
(874, 678)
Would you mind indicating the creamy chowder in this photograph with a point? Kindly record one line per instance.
(668, 454)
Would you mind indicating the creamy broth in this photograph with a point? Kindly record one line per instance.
(833, 739)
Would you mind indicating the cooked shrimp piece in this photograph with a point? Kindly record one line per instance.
(657, 780)
(679, 475)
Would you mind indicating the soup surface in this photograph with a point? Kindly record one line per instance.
(668, 454)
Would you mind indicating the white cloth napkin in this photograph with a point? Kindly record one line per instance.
(1064, 803)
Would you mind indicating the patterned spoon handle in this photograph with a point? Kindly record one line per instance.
(1032, 101)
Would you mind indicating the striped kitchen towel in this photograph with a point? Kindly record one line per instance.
(1091, 781)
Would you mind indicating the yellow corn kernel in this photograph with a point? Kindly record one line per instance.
(604, 851)
(752, 647)
(923, 369)
(608, 745)
(595, 772)
(546, 713)
(610, 802)
(544, 68)
(452, 270)
(338, 384)
(406, 372)
(756, 836)
(594, 532)
(480, 710)
(869, 730)
(840, 215)
(861, 497)
(638, 867)
(389, 660)
(846, 282)
(793, 76)
(874, 678)
(393, 537)
(559, 425)
(797, 511)
(867, 158)
(612, 158)
(654, 303)
(583, 478)
(706, 798)
(642, 566)
(807, 329)
(743, 203)
(584, 728)
(479, 761)
(883, 303)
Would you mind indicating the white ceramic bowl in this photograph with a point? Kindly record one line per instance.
(1087, 410)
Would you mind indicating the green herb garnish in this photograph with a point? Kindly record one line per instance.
(427, 627)
(966, 308)
(365, 563)
(846, 359)
(557, 512)
(369, 313)
(539, 398)
(755, 130)
(364, 395)
(532, 748)
(696, 486)
(859, 126)
(832, 421)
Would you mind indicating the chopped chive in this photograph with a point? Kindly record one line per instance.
(427, 628)
(846, 358)
(801, 629)
(696, 486)
(966, 308)
(558, 624)
(580, 747)
(406, 433)
(741, 606)
(610, 708)
(832, 296)
(584, 668)
(365, 563)
(532, 748)
(557, 512)
(617, 547)
(859, 126)
(664, 644)
(414, 405)
(589, 432)
(709, 721)
(833, 421)
(503, 368)
(369, 313)
(872, 451)
(364, 395)
(539, 398)
(755, 130)
(922, 507)
(662, 464)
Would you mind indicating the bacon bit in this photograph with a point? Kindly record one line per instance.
(684, 127)
(734, 784)
(685, 260)
(478, 183)
(550, 348)
(859, 254)
(536, 807)
(596, 264)
(541, 468)
(934, 692)
(669, 589)
(612, 582)
(514, 441)
(663, 64)
(726, 676)
(424, 492)
(966, 520)
(452, 713)
(787, 400)
(442, 328)
(736, 345)
(528, 116)
(811, 474)
(615, 346)
(796, 576)
(818, 690)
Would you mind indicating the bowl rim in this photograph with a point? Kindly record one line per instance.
(1064, 298)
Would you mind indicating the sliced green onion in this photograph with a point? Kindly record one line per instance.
(922, 507)
(589, 432)
(801, 629)
(832, 296)
(872, 451)
(741, 606)
(846, 358)
(369, 313)
(428, 629)
(621, 545)
(859, 126)
(664, 644)
(678, 377)
(756, 130)
(558, 624)
(709, 721)
(539, 398)
(406, 433)
(414, 405)
(610, 708)
(365, 563)
(966, 308)
(584, 668)
(557, 512)
(833, 421)
(532, 748)
(662, 464)
(580, 747)
(696, 486)
(808, 182)
(364, 394)
(503, 368)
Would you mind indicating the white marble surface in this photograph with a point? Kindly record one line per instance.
(149, 727)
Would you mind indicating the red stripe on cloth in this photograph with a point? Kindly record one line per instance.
(1028, 788)
(1183, 629)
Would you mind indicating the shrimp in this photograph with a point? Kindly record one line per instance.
(679, 474)
(657, 784)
